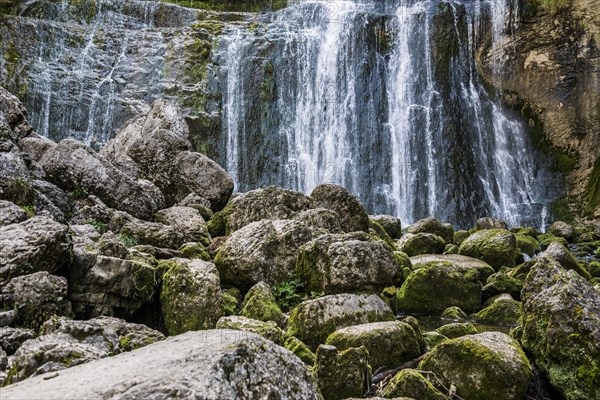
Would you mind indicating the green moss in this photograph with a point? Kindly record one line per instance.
(260, 304)
(194, 251)
(230, 303)
(216, 224)
(527, 244)
(300, 349)
(19, 191)
(78, 194)
(554, 6)
(592, 193)
(454, 313)
(29, 210)
(410, 383)
(546, 238)
(457, 329)
(127, 240)
(98, 225)
(501, 312)
(381, 234)
(288, 294)
(231, 5)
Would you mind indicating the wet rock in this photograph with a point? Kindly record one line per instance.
(410, 383)
(455, 330)
(260, 304)
(564, 257)
(488, 365)
(267, 329)
(421, 243)
(561, 328)
(37, 244)
(262, 251)
(185, 220)
(341, 374)
(346, 263)
(389, 344)
(10, 213)
(496, 247)
(391, 224)
(221, 362)
(37, 297)
(12, 338)
(190, 295)
(314, 320)
(353, 216)
(433, 226)
(501, 312)
(489, 223)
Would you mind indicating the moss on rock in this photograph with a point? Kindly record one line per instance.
(454, 313)
(457, 329)
(410, 383)
(260, 304)
(301, 350)
(341, 374)
(501, 312)
(496, 247)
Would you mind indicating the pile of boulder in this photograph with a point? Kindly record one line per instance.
(139, 265)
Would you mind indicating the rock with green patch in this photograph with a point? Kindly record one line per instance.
(269, 329)
(433, 226)
(389, 343)
(421, 243)
(501, 312)
(391, 224)
(460, 236)
(546, 239)
(301, 350)
(414, 323)
(353, 216)
(410, 383)
(564, 257)
(485, 270)
(345, 263)
(561, 328)
(377, 232)
(194, 250)
(433, 338)
(260, 304)
(502, 283)
(451, 249)
(186, 220)
(496, 247)
(489, 223)
(320, 219)
(594, 269)
(454, 313)
(231, 301)
(341, 374)
(314, 320)
(436, 286)
(563, 230)
(527, 245)
(190, 295)
(262, 251)
(488, 365)
(457, 329)
(37, 297)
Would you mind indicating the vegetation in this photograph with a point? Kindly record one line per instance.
(100, 226)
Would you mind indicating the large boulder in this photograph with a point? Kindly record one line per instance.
(187, 220)
(502, 312)
(314, 320)
(38, 244)
(260, 304)
(262, 251)
(341, 374)
(190, 295)
(327, 221)
(563, 230)
(433, 226)
(391, 224)
(211, 365)
(13, 116)
(267, 329)
(345, 263)
(390, 343)
(561, 328)
(353, 216)
(75, 167)
(438, 285)
(421, 243)
(485, 270)
(564, 257)
(10, 213)
(411, 384)
(496, 247)
(486, 366)
(489, 223)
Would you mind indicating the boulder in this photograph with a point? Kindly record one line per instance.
(564, 257)
(262, 251)
(320, 219)
(15, 179)
(38, 244)
(341, 374)
(314, 320)
(260, 304)
(37, 297)
(485, 270)
(7, 317)
(185, 220)
(436, 286)
(138, 232)
(488, 365)
(267, 329)
(75, 167)
(345, 263)
(410, 383)
(391, 224)
(421, 243)
(221, 363)
(192, 200)
(353, 216)
(390, 343)
(300, 349)
(12, 338)
(455, 330)
(489, 223)
(563, 230)
(433, 226)
(561, 328)
(10, 213)
(527, 245)
(502, 312)
(496, 247)
(13, 121)
(190, 295)
(433, 338)
(460, 236)
(501, 282)
(377, 232)
(454, 313)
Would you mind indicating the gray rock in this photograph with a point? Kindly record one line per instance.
(562, 229)
(185, 220)
(415, 244)
(320, 218)
(262, 251)
(485, 270)
(11, 213)
(341, 374)
(15, 179)
(90, 209)
(12, 338)
(220, 362)
(433, 226)
(496, 247)
(13, 117)
(7, 317)
(267, 329)
(564, 257)
(346, 262)
(37, 297)
(353, 216)
(75, 167)
(489, 223)
(38, 244)
(35, 146)
(391, 224)
(55, 195)
(199, 203)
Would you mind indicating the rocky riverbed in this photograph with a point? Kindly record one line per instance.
(135, 272)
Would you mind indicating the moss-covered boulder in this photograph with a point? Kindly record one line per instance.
(457, 329)
(194, 250)
(546, 239)
(460, 236)
(594, 269)
(347, 263)
(421, 243)
(454, 313)
(488, 365)
(260, 304)
(489, 223)
(432, 225)
(377, 232)
(391, 224)
(190, 295)
(451, 249)
(314, 320)
(390, 343)
(353, 216)
(561, 328)
(439, 285)
(496, 247)
(502, 312)
(231, 300)
(527, 245)
(268, 330)
(261, 251)
(501, 282)
(300, 349)
(564, 257)
(410, 383)
(414, 323)
(563, 230)
(433, 338)
(485, 270)
(341, 374)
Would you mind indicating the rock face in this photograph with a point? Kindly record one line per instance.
(260, 304)
(485, 270)
(314, 320)
(156, 146)
(561, 328)
(345, 263)
(40, 243)
(187, 220)
(262, 251)
(485, 366)
(224, 359)
(389, 344)
(496, 247)
(353, 216)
